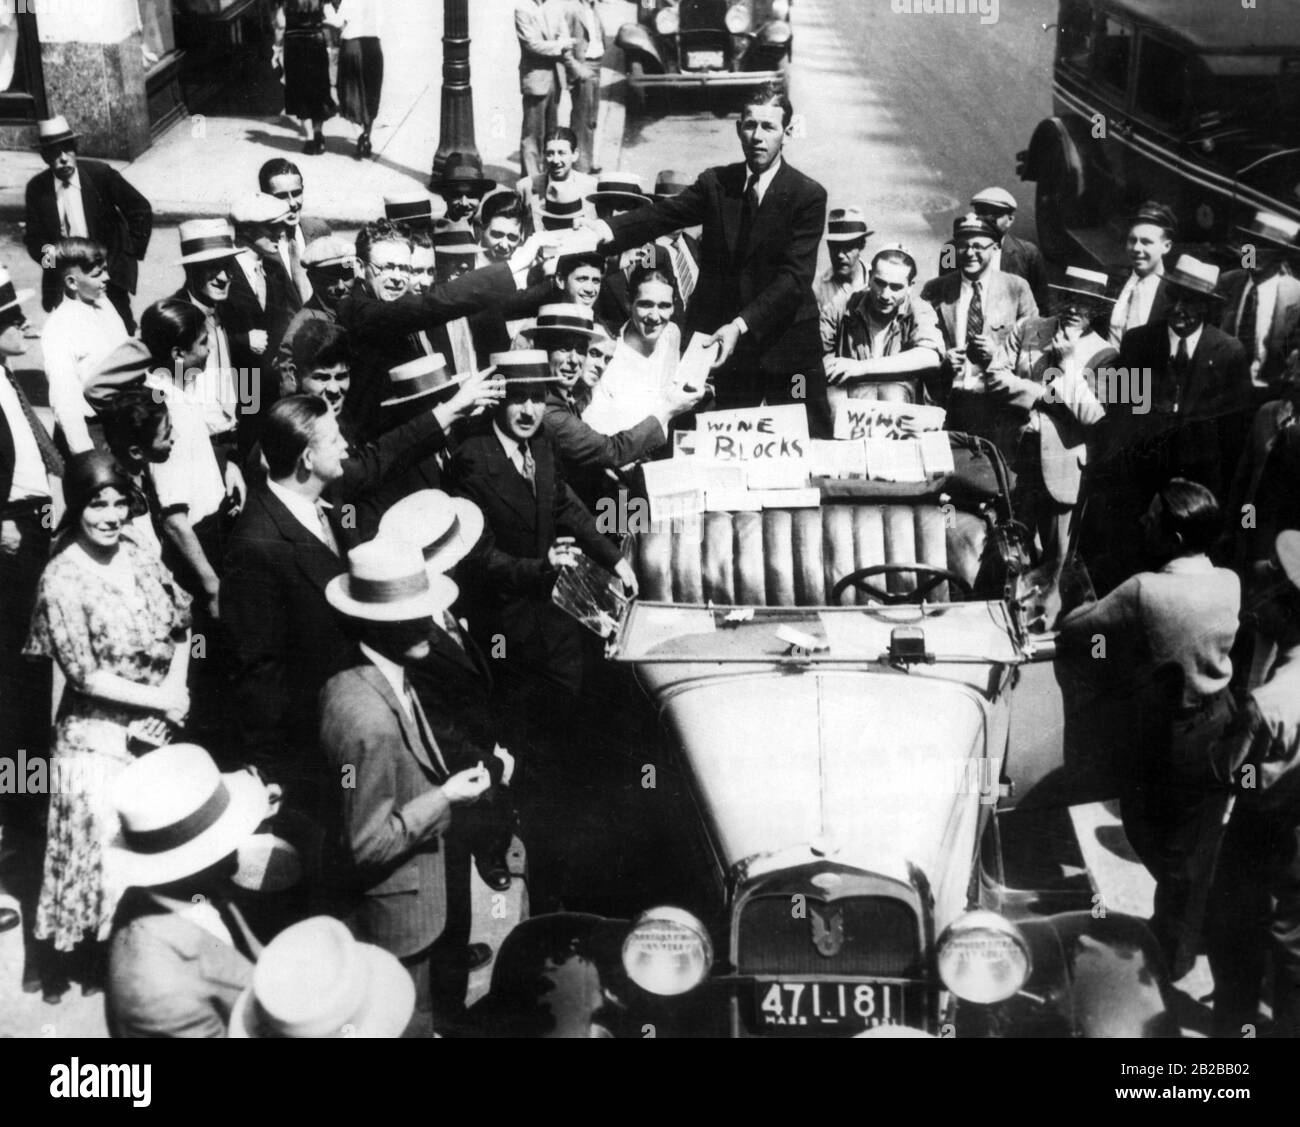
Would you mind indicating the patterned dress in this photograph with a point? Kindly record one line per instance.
(89, 624)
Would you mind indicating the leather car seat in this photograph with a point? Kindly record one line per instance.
(793, 557)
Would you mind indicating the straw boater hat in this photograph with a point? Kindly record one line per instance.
(426, 375)
(329, 250)
(999, 198)
(523, 366)
(1275, 229)
(206, 240)
(670, 183)
(1194, 276)
(10, 298)
(625, 188)
(1088, 283)
(315, 980)
(387, 581)
(54, 131)
(180, 815)
(846, 225)
(560, 319)
(414, 207)
(562, 203)
(444, 528)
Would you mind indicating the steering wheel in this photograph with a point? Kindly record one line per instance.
(937, 575)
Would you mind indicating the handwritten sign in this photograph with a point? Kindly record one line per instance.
(753, 434)
(874, 418)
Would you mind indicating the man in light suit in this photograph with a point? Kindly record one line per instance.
(763, 222)
(1014, 255)
(394, 817)
(1261, 304)
(89, 200)
(978, 306)
(1046, 372)
(542, 48)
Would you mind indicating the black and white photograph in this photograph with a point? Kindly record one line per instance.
(651, 519)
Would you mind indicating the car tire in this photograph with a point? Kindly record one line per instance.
(1056, 207)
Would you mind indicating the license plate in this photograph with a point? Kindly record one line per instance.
(811, 1006)
(704, 60)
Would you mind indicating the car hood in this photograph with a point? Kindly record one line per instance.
(878, 770)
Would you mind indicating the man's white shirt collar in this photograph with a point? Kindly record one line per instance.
(510, 446)
(1193, 338)
(764, 178)
(303, 509)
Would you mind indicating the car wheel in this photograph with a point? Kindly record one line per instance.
(1056, 207)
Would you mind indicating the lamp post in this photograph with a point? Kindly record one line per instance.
(456, 133)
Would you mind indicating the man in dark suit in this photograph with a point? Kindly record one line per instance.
(395, 815)
(286, 546)
(282, 179)
(1190, 421)
(1144, 297)
(763, 224)
(89, 200)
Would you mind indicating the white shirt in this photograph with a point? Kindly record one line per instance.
(77, 337)
(191, 476)
(970, 378)
(30, 478)
(395, 675)
(1193, 339)
(633, 385)
(302, 508)
(72, 209)
(1266, 303)
(215, 389)
(511, 446)
(251, 265)
(359, 19)
(832, 296)
(1141, 292)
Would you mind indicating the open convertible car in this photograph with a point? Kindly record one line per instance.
(861, 708)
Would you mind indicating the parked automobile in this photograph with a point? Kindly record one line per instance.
(859, 702)
(1196, 105)
(698, 43)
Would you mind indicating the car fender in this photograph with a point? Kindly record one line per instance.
(1071, 138)
(1090, 977)
(638, 45)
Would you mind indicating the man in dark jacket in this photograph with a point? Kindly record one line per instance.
(89, 200)
(763, 224)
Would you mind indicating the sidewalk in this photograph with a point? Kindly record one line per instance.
(204, 163)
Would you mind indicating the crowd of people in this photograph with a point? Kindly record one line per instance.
(291, 546)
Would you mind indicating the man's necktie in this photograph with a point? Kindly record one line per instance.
(452, 627)
(1178, 367)
(44, 443)
(327, 533)
(684, 267)
(974, 313)
(1246, 324)
(64, 218)
(297, 271)
(530, 467)
(748, 209)
(1123, 314)
(426, 733)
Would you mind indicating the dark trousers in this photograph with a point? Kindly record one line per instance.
(1254, 916)
(540, 116)
(585, 94)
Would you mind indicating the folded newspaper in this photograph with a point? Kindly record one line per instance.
(592, 595)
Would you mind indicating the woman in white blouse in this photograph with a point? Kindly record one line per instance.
(83, 329)
(361, 66)
(644, 365)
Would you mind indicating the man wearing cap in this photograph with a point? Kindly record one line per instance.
(762, 222)
(86, 199)
(1253, 914)
(1014, 255)
(282, 179)
(977, 306)
(208, 254)
(180, 952)
(1144, 297)
(331, 265)
(543, 46)
(1044, 374)
(394, 815)
(28, 464)
(462, 186)
(560, 154)
(887, 341)
(846, 239)
(1261, 302)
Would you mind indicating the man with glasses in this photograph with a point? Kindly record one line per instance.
(977, 305)
(391, 326)
(997, 207)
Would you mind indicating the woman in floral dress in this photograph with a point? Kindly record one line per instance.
(116, 623)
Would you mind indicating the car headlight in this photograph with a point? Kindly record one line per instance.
(667, 21)
(780, 9)
(739, 19)
(667, 952)
(983, 958)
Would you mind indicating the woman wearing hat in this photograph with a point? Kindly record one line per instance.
(300, 28)
(118, 626)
